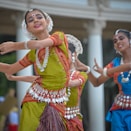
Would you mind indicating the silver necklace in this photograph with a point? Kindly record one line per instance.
(125, 79)
(71, 76)
(45, 61)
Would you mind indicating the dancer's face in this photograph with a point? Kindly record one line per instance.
(36, 22)
(121, 42)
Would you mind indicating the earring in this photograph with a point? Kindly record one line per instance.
(73, 58)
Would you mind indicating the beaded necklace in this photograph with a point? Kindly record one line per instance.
(71, 76)
(125, 79)
(45, 61)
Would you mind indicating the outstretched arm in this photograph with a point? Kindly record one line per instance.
(21, 78)
(10, 68)
(32, 44)
(111, 71)
(104, 73)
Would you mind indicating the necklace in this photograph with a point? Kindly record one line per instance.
(125, 79)
(45, 61)
(68, 89)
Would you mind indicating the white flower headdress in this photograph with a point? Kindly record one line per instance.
(77, 44)
(28, 34)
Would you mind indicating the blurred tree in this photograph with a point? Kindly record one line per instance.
(7, 58)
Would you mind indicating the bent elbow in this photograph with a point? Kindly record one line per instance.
(96, 85)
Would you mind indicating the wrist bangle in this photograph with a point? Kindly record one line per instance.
(105, 72)
(26, 45)
(80, 81)
(88, 70)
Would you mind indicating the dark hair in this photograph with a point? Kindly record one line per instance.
(71, 47)
(125, 32)
(34, 9)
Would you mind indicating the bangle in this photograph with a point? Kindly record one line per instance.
(88, 70)
(80, 81)
(105, 72)
(26, 45)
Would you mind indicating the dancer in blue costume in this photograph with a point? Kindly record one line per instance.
(120, 112)
(121, 109)
(120, 69)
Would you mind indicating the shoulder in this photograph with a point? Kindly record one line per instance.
(115, 62)
(58, 33)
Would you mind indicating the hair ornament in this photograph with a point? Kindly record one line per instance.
(27, 33)
(50, 26)
(117, 31)
(77, 44)
(73, 58)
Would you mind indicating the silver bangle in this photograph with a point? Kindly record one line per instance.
(26, 45)
(88, 70)
(80, 81)
(105, 72)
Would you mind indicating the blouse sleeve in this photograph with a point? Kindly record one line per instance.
(115, 62)
(60, 41)
(28, 59)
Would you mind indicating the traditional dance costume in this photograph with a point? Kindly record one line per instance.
(44, 102)
(72, 110)
(120, 112)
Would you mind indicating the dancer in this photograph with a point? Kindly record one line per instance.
(47, 95)
(76, 84)
(120, 72)
(120, 69)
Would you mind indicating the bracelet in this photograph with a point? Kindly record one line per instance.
(26, 45)
(88, 70)
(105, 72)
(80, 81)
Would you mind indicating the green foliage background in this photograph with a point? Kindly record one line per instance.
(4, 83)
(7, 58)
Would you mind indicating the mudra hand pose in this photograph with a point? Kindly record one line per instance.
(47, 95)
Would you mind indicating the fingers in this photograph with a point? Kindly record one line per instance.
(2, 52)
(95, 67)
(96, 62)
(2, 49)
(6, 47)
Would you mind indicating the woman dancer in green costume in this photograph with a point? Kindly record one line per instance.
(47, 95)
(77, 81)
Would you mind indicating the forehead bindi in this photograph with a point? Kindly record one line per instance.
(33, 13)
